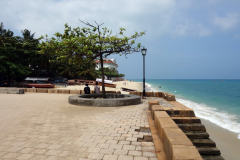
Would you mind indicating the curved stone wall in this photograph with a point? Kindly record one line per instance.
(112, 100)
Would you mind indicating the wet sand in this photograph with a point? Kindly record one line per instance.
(226, 141)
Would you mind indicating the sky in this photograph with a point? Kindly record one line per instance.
(185, 39)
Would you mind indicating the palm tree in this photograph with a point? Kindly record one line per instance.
(68, 71)
(88, 70)
(27, 34)
(4, 33)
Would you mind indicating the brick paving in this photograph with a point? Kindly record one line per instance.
(40, 126)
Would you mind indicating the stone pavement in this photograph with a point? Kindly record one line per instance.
(161, 101)
(40, 126)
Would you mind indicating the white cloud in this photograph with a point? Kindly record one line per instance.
(189, 28)
(48, 16)
(159, 17)
(230, 21)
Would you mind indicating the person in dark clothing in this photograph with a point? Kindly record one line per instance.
(86, 89)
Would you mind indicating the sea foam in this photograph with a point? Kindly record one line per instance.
(149, 88)
(222, 119)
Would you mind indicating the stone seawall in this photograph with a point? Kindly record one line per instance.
(165, 95)
(181, 132)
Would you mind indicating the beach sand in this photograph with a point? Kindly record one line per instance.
(226, 141)
(130, 85)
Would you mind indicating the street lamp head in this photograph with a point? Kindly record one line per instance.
(144, 51)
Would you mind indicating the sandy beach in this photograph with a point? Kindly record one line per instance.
(226, 141)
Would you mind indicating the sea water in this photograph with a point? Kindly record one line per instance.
(215, 100)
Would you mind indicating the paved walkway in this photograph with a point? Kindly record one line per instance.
(161, 101)
(41, 126)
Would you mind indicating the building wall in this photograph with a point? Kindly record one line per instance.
(107, 65)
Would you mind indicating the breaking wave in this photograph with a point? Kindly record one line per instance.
(222, 119)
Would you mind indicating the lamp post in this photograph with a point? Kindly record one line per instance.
(144, 51)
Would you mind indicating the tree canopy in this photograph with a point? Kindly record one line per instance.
(88, 43)
(17, 54)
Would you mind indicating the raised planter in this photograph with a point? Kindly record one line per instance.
(111, 100)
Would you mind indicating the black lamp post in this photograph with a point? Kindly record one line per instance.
(144, 51)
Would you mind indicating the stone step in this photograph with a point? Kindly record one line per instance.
(208, 151)
(179, 112)
(203, 143)
(212, 157)
(197, 135)
(192, 127)
(184, 120)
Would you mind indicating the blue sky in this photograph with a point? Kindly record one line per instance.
(186, 39)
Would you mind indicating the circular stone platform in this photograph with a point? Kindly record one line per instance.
(112, 100)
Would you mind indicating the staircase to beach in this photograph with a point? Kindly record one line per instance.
(170, 117)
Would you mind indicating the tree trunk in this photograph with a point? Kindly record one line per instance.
(103, 85)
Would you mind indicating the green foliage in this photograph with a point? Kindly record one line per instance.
(88, 70)
(65, 48)
(79, 46)
(17, 54)
(88, 42)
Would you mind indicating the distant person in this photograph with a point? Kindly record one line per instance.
(86, 89)
(96, 89)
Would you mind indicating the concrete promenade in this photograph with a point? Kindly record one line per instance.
(42, 126)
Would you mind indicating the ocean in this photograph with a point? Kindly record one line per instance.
(215, 100)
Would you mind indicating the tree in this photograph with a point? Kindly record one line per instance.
(29, 44)
(88, 70)
(27, 34)
(90, 43)
(17, 55)
(4, 33)
(63, 48)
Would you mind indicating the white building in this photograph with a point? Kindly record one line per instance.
(107, 63)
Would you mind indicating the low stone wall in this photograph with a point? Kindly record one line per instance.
(165, 95)
(60, 91)
(11, 91)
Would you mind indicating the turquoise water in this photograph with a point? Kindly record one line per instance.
(215, 100)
